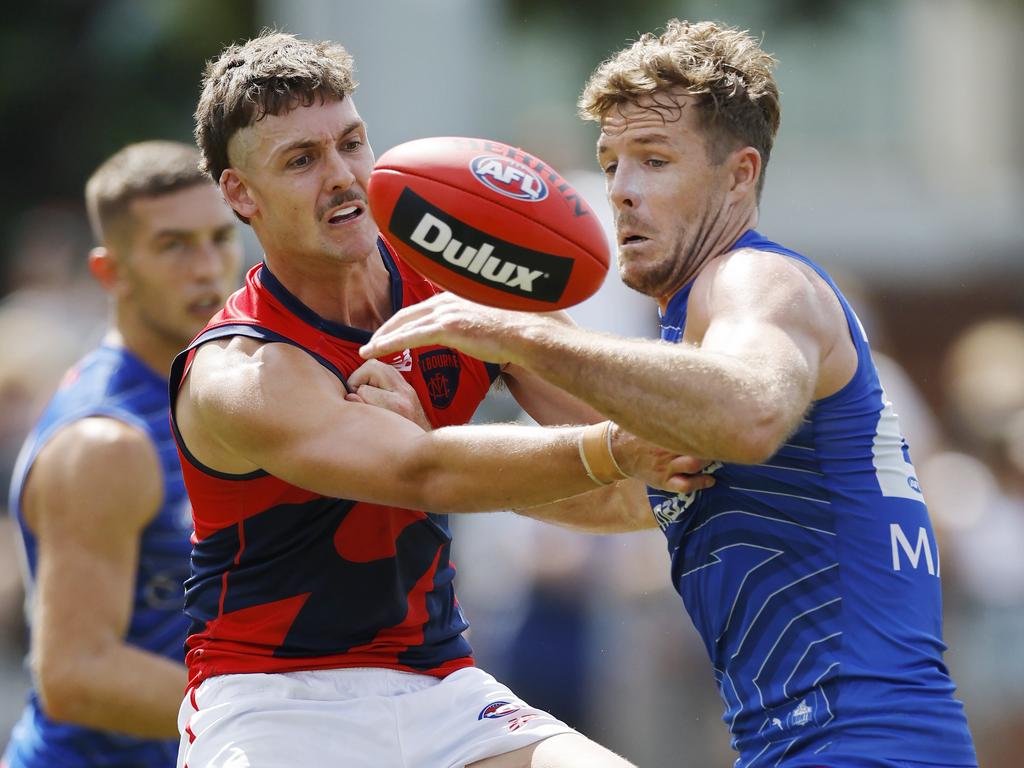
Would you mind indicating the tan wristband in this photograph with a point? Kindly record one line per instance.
(595, 446)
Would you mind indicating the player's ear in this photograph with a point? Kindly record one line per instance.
(744, 167)
(236, 193)
(104, 267)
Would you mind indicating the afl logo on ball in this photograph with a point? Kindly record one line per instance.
(509, 178)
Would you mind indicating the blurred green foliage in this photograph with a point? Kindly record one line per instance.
(81, 78)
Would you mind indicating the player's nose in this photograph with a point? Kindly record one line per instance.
(339, 174)
(208, 261)
(623, 191)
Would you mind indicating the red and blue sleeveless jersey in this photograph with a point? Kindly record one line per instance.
(284, 579)
(112, 382)
(813, 579)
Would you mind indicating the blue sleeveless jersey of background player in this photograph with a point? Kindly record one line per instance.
(813, 580)
(112, 382)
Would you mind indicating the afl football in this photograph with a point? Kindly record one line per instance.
(489, 222)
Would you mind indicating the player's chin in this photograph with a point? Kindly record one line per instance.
(638, 275)
(354, 236)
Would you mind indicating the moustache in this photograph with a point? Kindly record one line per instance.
(339, 199)
(629, 221)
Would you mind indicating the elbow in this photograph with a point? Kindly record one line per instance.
(751, 450)
(756, 440)
(63, 694)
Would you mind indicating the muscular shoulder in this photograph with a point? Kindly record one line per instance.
(241, 390)
(98, 468)
(763, 285)
(230, 373)
(763, 290)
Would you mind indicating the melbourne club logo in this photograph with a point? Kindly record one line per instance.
(440, 369)
(509, 177)
(497, 709)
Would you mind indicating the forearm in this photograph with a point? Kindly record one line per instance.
(123, 689)
(546, 403)
(695, 403)
(618, 508)
(497, 466)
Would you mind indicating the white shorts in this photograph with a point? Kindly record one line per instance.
(377, 718)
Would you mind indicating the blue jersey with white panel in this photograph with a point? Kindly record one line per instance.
(813, 579)
(110, 381)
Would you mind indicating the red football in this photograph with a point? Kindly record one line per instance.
(489, 222)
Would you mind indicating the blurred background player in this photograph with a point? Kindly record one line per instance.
(97, 491)
(810, 569)
(325, 626)
(976, 493)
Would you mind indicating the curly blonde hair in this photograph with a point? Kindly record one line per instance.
(723, 67)
(268, 75)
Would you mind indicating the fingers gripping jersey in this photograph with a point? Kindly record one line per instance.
(284, 579)
(813, 580)
(111, 382)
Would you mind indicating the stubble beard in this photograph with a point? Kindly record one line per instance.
(679, 264)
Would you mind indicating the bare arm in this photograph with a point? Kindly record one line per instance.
(91, 491)
(734, 392)
(546, 403)
(247, 405)
(618, 508)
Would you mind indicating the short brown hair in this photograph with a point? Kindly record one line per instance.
(145, 169)
(267, 75)
(723, 67)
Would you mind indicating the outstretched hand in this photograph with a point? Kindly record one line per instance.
(482, 332)
(658, 467)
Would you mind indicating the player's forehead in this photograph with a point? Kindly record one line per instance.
(196, 208)
(321, 122)
(660, 118)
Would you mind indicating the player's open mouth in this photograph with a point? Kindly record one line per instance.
(347, 213)
(633, 239)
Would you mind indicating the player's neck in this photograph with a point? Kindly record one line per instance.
(729, 228)
(354, 293)
(155, 351)
(732, 230)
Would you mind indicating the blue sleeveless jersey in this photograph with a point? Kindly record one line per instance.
(112, 382)
(813, 580)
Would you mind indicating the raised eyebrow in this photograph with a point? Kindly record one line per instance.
(651, 139)
(189, 233)
(355, 125)
(655, 138)
(167, 232)
(300, 144)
